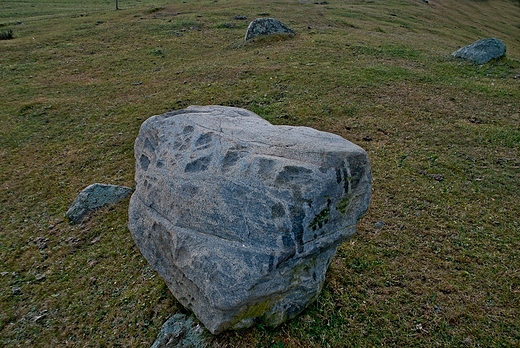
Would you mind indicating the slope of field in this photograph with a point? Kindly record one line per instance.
(435, 262)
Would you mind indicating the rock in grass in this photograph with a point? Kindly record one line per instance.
(242, 218)
(482, 51)
(94, 197)
(180, 331)
(266, 26)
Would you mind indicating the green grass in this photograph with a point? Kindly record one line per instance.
(435, 262)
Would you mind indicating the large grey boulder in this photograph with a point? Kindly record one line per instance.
(482, 51)
(94, 197)
(242, 218)
(266, 26)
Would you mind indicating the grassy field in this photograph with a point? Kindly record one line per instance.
(436, 261)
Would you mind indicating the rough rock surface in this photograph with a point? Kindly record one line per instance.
(93, 197)
(242, 218)
(180, 331)
(266, 26)
(482, 51)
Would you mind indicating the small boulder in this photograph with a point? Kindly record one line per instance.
(266, 26)
(94, 197)
(482, 51)
(240, 217)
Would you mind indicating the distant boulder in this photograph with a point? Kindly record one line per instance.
(94, 197)
(266, 26)
(482, 51)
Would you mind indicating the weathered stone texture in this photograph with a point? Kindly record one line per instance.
(240, 217)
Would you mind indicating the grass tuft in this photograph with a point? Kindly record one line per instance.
(6, 34)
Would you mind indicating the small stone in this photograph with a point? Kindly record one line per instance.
(16, 291)
(94, 197)
(266, 26)
(379, 224)
(180, 331)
